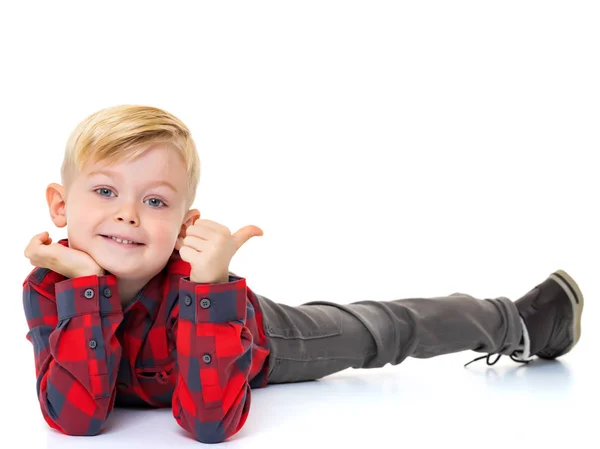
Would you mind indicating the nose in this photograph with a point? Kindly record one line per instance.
(127, 214)
(131, 221)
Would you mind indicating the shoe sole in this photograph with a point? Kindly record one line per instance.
(572, 290)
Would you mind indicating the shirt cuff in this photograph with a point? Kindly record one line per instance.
(87, 294)
(213, 303)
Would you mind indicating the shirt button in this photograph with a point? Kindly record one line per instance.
(205, 303)
(206, 358)
(89, 293)
(107, 292)
(187, 301)
(92, 344)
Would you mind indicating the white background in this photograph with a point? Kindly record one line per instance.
(386, 149)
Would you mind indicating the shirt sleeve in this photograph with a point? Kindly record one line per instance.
(214, 355)
(72, 326)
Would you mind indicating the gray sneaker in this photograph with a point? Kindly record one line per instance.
(551, 313)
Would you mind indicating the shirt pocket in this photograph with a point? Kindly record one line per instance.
(162, 374)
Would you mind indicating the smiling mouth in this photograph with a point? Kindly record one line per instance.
(123, 242)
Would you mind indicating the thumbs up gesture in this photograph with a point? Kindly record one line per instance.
(209, 247)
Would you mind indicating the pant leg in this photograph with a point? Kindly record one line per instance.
(319, 338)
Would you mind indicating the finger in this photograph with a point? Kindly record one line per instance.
(196, 243)
(186, 253)
(35, 242)
(246, 233)
(44, 237)
(40, 253)
(212, 225)
(204, 231)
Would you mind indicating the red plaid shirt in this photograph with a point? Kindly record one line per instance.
(198, 348)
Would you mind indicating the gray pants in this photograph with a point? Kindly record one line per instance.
(319, 338)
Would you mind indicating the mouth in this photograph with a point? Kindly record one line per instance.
(121, 241)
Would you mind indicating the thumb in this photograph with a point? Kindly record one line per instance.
(43, 237)
(246, 233)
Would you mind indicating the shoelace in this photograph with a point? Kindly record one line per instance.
(489, 356)
(521, 355)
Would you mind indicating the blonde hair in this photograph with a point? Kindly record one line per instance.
(124, 132)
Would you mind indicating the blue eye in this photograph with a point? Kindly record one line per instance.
(160, 201)
(103, 189)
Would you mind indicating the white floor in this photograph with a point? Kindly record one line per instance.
(420, 403)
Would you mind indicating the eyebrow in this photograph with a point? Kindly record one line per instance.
(116, 175)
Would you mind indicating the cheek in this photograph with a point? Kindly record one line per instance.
(86, 223)
(81, 231)
(80, 220)
(84, 211)
(162, 232)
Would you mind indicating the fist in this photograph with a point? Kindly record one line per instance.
(61, 259)
(209, 247)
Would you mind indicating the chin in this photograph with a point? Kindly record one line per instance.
(118, 266)
(119, 271)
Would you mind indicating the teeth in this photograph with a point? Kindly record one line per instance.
(129, 242)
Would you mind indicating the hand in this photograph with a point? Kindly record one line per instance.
(67, 261)
(209, 247)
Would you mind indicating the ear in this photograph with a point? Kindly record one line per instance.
(55, 197)
(189, 219)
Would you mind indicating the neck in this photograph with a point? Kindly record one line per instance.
(129, 288)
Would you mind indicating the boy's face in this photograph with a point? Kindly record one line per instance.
(143, 200)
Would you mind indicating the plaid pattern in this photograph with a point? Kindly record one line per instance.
(198, 348)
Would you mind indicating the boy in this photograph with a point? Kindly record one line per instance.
(138, 306)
